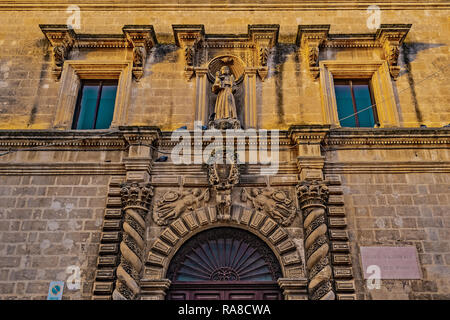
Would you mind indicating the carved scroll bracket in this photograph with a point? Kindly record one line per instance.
(266, 37)
(189, 38)
(309, 39)
(142, 38)
(62, 39)
(391, 37)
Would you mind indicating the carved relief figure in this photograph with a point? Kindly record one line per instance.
(275, 203)
(224, 87)
(174, 203)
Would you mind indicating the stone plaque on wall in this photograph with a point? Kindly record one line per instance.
(393, 262)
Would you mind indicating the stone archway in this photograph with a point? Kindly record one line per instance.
(224, 263)
(155, 283)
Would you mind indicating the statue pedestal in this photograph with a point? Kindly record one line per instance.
(223, 124)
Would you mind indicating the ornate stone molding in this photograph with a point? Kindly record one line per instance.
(309, 39)
(143, 39)
(179, 230)
(391, 37)
(199, 48)
(135, 203)
(313, 196)
(223, 175)
(62, 39)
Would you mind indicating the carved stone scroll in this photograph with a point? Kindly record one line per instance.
(391, 37)
(312, 197)
(189, 39)
(135, 203)
(62, 39)
(142, 38)
(309, 39)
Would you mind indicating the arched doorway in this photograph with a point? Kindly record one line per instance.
(224, 264)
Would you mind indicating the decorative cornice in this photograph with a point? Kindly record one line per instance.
(310, 38)
(193, 40)
(387, 137)
(139, 37)
(206, 5)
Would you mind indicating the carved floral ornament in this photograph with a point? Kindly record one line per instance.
(141, 38)
(389, 37)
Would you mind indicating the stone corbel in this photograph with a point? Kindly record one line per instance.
(266, 37)
(391, 37)
(189, 38)
(142, 38)
(62, 39)
(309, 39)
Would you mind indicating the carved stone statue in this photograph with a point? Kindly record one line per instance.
(224, 87)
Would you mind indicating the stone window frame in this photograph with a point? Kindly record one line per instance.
(76, 71)
(377, 71)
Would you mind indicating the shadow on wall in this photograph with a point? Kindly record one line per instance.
(409, 54)
(276, 69)
(44, 45)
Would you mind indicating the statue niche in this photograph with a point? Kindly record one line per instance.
(225, 112)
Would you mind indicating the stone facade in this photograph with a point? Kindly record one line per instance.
(99, 200)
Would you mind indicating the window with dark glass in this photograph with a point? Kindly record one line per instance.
(355, 103)
(95, 105)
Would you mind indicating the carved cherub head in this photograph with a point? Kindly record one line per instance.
(225, 70)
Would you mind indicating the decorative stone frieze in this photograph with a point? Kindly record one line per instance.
(135, 202)
(313, 196)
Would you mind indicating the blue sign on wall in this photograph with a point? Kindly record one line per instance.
(55, 290)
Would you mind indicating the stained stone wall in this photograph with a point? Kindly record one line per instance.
(402, 209)
(48, 223)
(28, 94)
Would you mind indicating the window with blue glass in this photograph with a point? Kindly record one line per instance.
(95, 106)
(355, 103)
